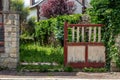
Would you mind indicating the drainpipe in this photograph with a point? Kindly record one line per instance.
(83, 8)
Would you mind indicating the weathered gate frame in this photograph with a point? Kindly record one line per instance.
(66, 44)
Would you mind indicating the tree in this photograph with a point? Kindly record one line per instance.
(52, 8)
(18, 5)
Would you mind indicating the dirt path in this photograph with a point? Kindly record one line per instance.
(65, 75)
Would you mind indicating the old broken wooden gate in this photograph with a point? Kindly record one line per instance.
(83, 46)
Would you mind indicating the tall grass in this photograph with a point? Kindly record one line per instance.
(36, 53)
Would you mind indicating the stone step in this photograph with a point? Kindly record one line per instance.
(39, 63)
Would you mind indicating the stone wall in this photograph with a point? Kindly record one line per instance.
(113, 63)
(10, 57)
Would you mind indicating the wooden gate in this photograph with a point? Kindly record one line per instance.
(1, 34)
(82, 45)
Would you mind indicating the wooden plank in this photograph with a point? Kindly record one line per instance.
(73, 34)
(83, 34)
(78, 32)
(94, 34)
(96, 53)
(99, 34)
(86, 25)
(76, 54)
(86, 53)
(90, 31)
(83, 65)
(65, 42)
(85, 43)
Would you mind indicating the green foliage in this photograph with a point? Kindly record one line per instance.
(94, 69)
(18, 5)
(35, 53)
(44, 30)
(53, 27)
(31, 26)
(40, 68)
(68, 69)
(107, 13)
(25, 39)
(28, 31)
(60, 24)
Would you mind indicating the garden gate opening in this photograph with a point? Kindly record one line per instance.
(83, 46)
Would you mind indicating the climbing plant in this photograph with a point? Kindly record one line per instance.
(107, 12)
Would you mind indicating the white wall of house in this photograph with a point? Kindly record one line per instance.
(87, 3)
(78, 7)
(33, 13)
(42, 17)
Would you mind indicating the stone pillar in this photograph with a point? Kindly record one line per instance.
(10, 57)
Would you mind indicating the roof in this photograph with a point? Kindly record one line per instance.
(37, 3)
(40, 1)
(80, 1)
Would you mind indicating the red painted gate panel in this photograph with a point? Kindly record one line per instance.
(85, 50)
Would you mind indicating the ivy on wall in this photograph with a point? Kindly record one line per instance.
(107, 12)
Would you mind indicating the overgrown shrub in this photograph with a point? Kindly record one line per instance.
(48, 31)
(28, 31)
(31, 25)
(45, 30)
(107, 13)
(35, 53)
(53, 8)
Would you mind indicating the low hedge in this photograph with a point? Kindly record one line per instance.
(50, 30)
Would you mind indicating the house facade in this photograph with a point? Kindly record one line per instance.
(36, 5)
